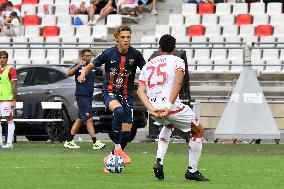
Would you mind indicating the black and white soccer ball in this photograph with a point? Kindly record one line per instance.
(115, 164)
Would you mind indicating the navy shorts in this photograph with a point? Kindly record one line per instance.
(85, 107)
(148, 2)
(125, 103)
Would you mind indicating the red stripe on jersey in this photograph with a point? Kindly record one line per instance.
(110, 83)
(125, 91)
(177, 111)
(121, 68)
(142, 82)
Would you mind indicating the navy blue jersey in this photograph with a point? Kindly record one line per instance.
(86, 88)
(120, 70)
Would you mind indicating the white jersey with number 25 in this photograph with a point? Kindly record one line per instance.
(159, 75)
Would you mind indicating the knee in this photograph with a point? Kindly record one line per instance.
(118, 112)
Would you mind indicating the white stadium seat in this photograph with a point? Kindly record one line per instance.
(100, 33)
(223, 9)
(188, 9)
(160, 30)
(194, 19)
(176, 19)
(64, 20)
(240, 8)
(83, 30)
(209, 19)
(257, 8)
(274, 8)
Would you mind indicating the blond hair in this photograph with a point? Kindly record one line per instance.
(120, 29)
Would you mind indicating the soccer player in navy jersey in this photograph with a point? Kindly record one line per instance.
(121, 62)
(84, 93)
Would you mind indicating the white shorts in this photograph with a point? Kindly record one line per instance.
(5, 109)
(181, 119)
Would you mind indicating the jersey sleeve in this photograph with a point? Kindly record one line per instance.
(140, 60)
(100, 59)
(180, 65)
(12, 74)
(142, 77)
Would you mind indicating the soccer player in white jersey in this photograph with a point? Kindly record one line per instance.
(160, 82)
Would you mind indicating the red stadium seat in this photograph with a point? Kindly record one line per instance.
(243, 19)
(263, 30)
(31, 20)
(195, 30)
(3, 1)
(30, 2)
(206, 8)
(50, 31)
(17, 6)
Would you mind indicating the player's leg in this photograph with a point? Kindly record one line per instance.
(7, 112)
(69, 143)
(163, 143)
(195, 148)
(127, 125)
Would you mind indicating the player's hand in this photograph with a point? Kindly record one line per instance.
(164, 112)
(82, 63)
(154, 112)
(81, 78)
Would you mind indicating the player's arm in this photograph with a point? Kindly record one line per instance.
(72, 70)
(141, 92)
(85, 71)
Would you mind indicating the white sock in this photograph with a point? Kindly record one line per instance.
(1, 139)
(163, 143)
(195, 147)
(11, 129)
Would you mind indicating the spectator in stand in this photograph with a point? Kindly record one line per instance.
(12, 27)
(87, 7)
(147, 2)
(1, 19)
(9, 9)
(104, 8)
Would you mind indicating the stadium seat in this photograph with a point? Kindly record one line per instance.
(250, 39)
(188, 9)
(66, 2)
(227, 19)
(83, 30)
(67, 31)
(223, 9)
(31, 20)
(66, 41)
(64, 20)
(75, 2)
(16, 2)
(176, 19)
(270, 54)
(50, 31)
(48, 20)
(258, 64)
(243, 19)
(264, 30)
(88, 40)
(20, 39)
(278, 30)
(4, 41)
(276, 19)
(182, 39)
(217, 54)
(178, 30)
(100, 33)
(160, 30)
(256, 54)
(204, 65)
(21, 61)
(191, 64)
(3, 1)
(234, 54)
(36, 39)
(216, 39)
(69, 55)
(114, 20)
(38, 55)
(147, 39)
(257, 8)
(236, 65)
(28, 9)
(201, 54)
(194, 19)
(61, 9)
(260, 19)
(52, 55)
(209, 19)
(274, 8)
(34, 2)
(213, 30)
(195, 30)
(205, 8)
(41, 2)
(240, 8)
(230, 30)
(10, 55)
(199, 39)
(281, 54)
(273, 65)
(83, 17)
(221, 65)
(267, 39)
(246, 30)
(279, 41)
(32, 31)
(232, 40)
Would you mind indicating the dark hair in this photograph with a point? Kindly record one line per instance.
(4, 53)
(9, 3)
(84, 51)
(120, 29)
(14, 14)
(167, 43)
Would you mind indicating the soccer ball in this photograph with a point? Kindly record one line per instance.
(115, 164)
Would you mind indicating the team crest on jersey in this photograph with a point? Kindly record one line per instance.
(131, 61)
(87, 114)
(112, 61)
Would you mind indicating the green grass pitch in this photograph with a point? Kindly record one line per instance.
(236, 166)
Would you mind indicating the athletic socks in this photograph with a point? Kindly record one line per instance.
(70, 137)
(11, 129)
(195, 148)
(163, 143)
(94, 140)
(124, 138)
(1, 138)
